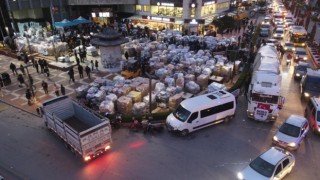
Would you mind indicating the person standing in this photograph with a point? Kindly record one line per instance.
(20, 79)
(36, 65)
(97, 65)
(63, 90)
(80, 69)
(45, 87)
(71, 74)
(46, 71)
(28, 96)
(56, 89)
(22, 69)
(13, 68)
(92, 65)
(88, 70)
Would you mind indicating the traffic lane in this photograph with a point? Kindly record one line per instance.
(29, 151)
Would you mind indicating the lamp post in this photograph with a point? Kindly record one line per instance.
(158, 4)
(4, 24)
(52, 19)
(193, 6)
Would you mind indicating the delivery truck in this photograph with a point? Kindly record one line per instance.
(84, 132)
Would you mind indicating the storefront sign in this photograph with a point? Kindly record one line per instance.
(209, 3)
(158, 18)
(167, 4)
(194, 21)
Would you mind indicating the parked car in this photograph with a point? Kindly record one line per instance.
(274, 163)
(291, 133)
(300, 69)
(288, 46)
(300, 54)
(310, 84)
(312, 113)
(278, 33)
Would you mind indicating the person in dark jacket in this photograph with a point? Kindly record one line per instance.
(97, 65)
(62, 89)
(80, 69)
(45, 87)
(71, 74)
(88, 70)
(28, 96)
(20, 79)
(36, 65)
(13, 68)
(22, 69)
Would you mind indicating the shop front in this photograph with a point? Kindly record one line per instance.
(103, 16)
(166, 9)
(156, 23)
(210, 7)
(194, 26)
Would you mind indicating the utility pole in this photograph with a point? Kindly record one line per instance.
(4, 25)
(52, 28)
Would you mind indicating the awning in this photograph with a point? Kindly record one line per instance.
(80, 20)
(63, 23)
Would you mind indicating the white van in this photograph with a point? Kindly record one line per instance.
(202, 111)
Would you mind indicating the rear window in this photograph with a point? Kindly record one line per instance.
(279, 31)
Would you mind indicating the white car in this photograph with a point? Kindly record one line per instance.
(275, 163)
(292, 132)
(278, 33)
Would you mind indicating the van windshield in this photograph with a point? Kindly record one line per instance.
(265, 98)
(313, 84)
(181, 113)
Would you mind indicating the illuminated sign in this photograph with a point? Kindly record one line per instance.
(209, 3)
(156, 18)
(166, 19)
(167, 4)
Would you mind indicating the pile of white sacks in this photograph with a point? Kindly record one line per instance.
(177, 69)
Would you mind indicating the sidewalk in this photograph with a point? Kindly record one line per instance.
(15, 95)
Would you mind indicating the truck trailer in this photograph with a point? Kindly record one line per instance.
(84, 132)
(264, 100)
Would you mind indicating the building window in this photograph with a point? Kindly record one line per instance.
(138, 8)
(146, 8)
(166, 11)
(224, 5)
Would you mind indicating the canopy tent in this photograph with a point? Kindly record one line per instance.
(80, 20)
(64, 23)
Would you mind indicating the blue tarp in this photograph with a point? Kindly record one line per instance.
(64, 23)
(80, 20)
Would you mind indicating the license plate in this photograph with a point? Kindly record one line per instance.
(261, 113)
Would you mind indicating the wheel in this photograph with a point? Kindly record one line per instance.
(184, 133)
(227, 119)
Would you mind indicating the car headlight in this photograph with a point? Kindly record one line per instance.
(275, 138)
(303, 44)
(240, 176)
(298, 75)
(285, 48)
(293, 49)
(306, 94)
(282, 35)
(305, 58)
(292, 144)
(274, 35)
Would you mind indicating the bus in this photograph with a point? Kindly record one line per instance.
(298, 35)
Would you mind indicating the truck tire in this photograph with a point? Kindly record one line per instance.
(184, 133)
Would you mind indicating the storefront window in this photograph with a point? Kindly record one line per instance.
(138, 8)
(223, 5)
(146, 8)
(208, 10)
(166, 11)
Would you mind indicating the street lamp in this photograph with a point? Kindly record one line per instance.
(158, 4)
(52, 19)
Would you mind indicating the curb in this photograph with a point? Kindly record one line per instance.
(18, 108)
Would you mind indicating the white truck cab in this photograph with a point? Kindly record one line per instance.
(202, 111)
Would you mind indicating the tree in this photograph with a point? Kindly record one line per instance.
(223, 23)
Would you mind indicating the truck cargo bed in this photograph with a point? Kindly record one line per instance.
(76, 124)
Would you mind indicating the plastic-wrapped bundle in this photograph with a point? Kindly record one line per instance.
(161, 73)
(135, 96)
(100, 81)
(100, 95)
(139, 108)
(200, 61)
(180, 82)
(106, 107)
(215, 87)
(200, 52)
(160, 87)
(211, 62)
(162, 98)
(109, 82)
(206, 71)
(171, 90)
(128, 81)
(164, 58)
(192, 87)
(90, 96)
(169, 81)
(146, 99)
(123, 91)
(111, 97)
(93, 90)
(202, 80)
(94, 84)
(189, 77)
(81, 91)
(119, 84)
(143, 88)
(197, 70)
(119, 78)
(135, 84)
(171, 47)
(124, 105)
(175, 100)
